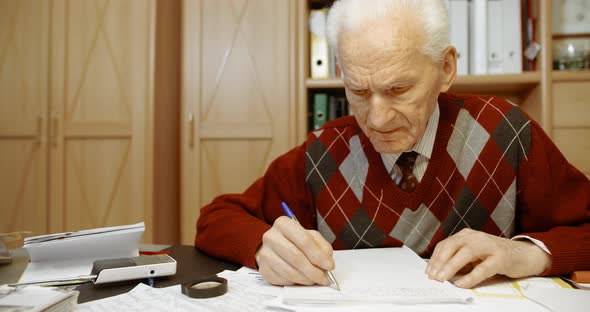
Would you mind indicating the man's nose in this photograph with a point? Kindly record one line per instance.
(380, 114)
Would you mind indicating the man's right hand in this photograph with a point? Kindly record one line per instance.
(291, 255)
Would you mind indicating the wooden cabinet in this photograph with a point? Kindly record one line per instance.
(101, 101)
(77, 102)
(23, 115)
(571, 117)
(238, 108)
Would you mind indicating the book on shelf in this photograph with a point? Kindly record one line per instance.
(338, 107)
(328, 107)
(320, 110)
(458, 11)
(495, 37)
(529, 37)
(478, 37)
(512, 48)
(491, 37)
(323, 63)
(319, 52)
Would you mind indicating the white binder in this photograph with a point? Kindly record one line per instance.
(459, 34)
(319, 54)
(496, 36)
(512, 44)
(478, 41)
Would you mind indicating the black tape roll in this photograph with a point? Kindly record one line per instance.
(205, 288)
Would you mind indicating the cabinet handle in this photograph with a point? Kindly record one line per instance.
(191, 130)
(39, 130)
(55, 124)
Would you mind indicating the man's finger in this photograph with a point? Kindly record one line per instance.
(460, 259)
(480, 272)
(286, 270)
(291, 273)
(304, 241)
(443, 251)
(264, 261)
(273, 277)
(298, 260)
(324, 245)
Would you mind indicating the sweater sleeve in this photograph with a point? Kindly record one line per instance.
(232, 225)
(554, 204)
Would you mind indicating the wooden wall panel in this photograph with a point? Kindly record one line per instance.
(238, 84)
(575, 145)
(571, 104)
(23, 110)
(102, 114)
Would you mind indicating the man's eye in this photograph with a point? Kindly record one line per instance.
(363, 92)
(399, 90)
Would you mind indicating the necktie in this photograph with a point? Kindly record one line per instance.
(406, 163)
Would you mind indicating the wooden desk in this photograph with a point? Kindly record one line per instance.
(192, 264)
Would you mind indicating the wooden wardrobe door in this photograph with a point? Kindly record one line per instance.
(23, 111)
(102, 55)
(238, 84)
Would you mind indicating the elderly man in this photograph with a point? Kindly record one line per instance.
(468, 181)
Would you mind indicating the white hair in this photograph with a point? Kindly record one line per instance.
(348, 14)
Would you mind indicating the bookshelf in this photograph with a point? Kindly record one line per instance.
(554, 99)
(493, 84)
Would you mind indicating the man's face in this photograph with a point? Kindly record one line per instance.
(392, 88)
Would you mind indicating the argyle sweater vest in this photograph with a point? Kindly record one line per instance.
(470, 180)
(492, 169)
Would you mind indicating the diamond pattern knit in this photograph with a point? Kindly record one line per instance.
(469, 182)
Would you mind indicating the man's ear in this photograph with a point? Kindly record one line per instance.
(448, 68)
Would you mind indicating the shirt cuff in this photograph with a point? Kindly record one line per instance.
(537, 242)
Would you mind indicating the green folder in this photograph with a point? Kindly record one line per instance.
(320, 110)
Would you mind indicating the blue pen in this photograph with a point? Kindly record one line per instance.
(291, 215)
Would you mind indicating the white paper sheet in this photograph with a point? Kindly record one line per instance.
(242, 296)
(142, 298)
(560, 299)
(248, 292)
(35, 298)
(386, 275)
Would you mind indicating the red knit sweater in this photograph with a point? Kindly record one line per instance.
(492, 169)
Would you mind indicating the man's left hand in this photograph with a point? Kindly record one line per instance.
(489, 255)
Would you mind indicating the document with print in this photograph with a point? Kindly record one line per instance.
(384, 275)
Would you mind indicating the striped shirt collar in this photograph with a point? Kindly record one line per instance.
(423, 147)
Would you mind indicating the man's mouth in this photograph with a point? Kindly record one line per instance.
(389, 136)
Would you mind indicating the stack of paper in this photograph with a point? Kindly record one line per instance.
(71, 254)
(35, 298)
(248, 291)
(378, 275)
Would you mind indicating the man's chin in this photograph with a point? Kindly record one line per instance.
(389, 147)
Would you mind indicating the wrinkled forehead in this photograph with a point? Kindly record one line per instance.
(399, 34)
(380, 43)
